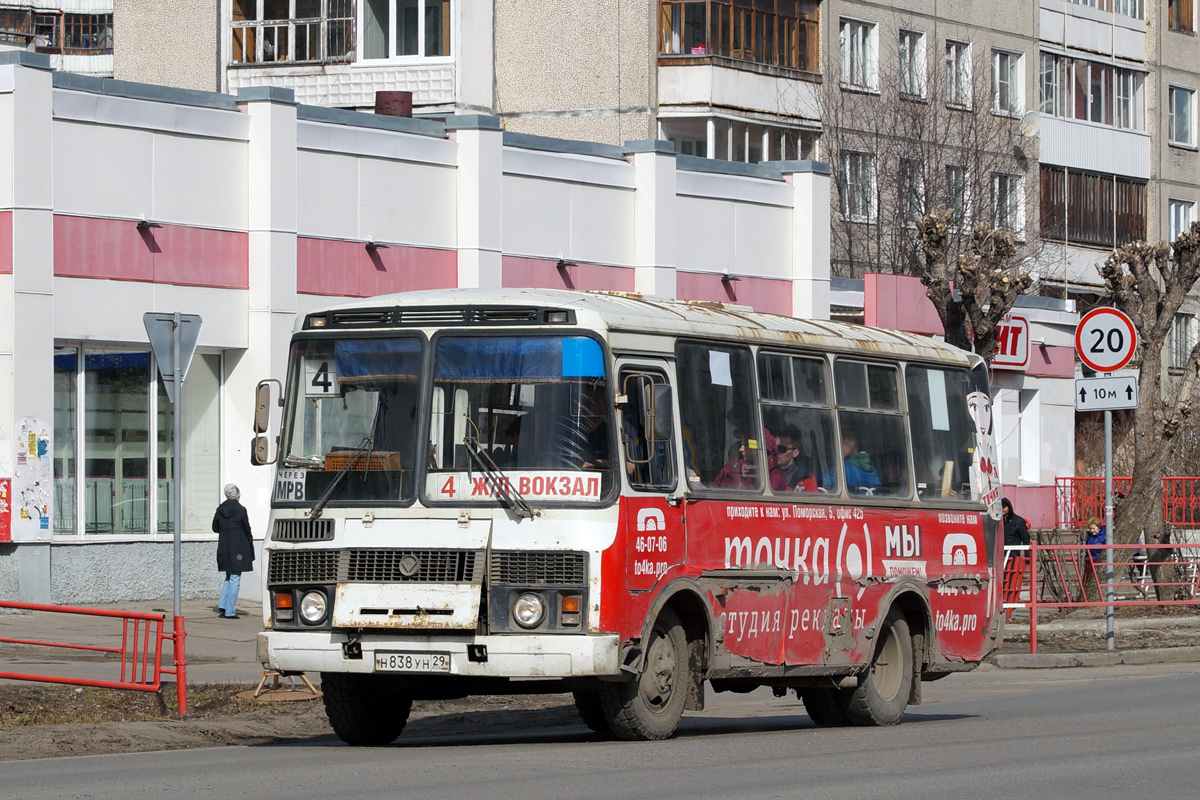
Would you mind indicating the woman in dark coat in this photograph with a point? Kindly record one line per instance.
(235, 548)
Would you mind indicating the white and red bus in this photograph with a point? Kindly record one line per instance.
(626, 498)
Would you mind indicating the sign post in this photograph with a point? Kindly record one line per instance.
(1105, 340)
(173, 339)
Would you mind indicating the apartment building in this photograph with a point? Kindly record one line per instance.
(77, 35)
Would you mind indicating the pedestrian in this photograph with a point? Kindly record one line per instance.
(235, 548)
(1016, 534)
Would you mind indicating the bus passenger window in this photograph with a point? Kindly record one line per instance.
(871, 427)
(797, 418)
(722, 445)
(649, 466)
(942, 434)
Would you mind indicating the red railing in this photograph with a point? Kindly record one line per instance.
(1181, 502)
(140, 654)
(1066, 576)
(1079, 499)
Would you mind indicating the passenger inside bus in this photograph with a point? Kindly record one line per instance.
(798, 475)
(861, 477)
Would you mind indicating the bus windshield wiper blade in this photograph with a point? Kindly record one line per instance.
(499, 482)
(367, 445)
(363, 449)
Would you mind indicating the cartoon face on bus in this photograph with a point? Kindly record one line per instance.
(979, 405)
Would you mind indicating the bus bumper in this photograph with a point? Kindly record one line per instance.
(509, 656)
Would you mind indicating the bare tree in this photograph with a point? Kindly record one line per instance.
(923, 166)
(1149, 283)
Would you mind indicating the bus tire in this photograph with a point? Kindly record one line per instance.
(362, 710)
(883, 690)
(650, 707)
(825, 707)
(591, 711)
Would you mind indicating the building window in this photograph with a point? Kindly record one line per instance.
(956, 194)
(55, 32)
(1006, 82)
(405, 28)
(912, 190)
(1180, 116)
(1088, 90)
(783, 33)
(912, 63)
(1181, 340)
(1008, 203)
(1090, 209)
(958, 73)
(290, 31)
(126, 445)
(1179, 15)
(1182, 214)
(856, 183)
(859, 54)
(1130, 8)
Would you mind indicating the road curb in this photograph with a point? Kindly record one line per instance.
(1159, 655)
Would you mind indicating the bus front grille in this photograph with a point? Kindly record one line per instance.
(532, 568)
(303, 566)
(414, 566)
(303, 530)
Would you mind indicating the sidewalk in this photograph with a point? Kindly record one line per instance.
(223, 650)
(218, 650)
(1100, 657)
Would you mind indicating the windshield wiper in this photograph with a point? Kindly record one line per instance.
(499, 482)
(365, 448)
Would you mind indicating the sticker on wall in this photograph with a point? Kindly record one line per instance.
(5, 510)
(32, 485)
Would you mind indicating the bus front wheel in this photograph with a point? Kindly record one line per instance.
(651, 706)
(882, 692)
(364, 710)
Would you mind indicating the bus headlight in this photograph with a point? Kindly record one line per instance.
(313, 607)
(529, 610)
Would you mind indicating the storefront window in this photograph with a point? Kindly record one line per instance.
(117, 446)
(201, 452)
(66, 368)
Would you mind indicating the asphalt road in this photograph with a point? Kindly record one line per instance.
(1072, 733)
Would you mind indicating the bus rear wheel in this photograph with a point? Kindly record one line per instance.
(882, 693)
(651, 706)
(364, 710)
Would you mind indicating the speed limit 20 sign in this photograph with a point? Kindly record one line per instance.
(1105, 339)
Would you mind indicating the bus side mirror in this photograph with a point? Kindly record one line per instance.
(660, 414)
(260, 451)
(264, 400)
(262, 404)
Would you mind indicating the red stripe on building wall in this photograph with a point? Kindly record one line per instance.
(348, 269)
(115, 249)
(518, 272)
(6, 242)
(899, 302)
(771, 295)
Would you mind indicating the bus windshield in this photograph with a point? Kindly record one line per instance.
(536, 406)
(351, 435)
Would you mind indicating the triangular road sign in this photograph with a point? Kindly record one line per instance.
(161, 330)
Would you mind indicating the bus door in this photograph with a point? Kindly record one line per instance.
(646, 439)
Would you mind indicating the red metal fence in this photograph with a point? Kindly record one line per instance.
(140, 654)
(1079, 499)
(1066, 576)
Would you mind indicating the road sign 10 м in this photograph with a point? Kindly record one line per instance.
(1106, 394)
(1105, 339)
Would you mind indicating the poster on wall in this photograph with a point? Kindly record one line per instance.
(33, 483)
(5, 510)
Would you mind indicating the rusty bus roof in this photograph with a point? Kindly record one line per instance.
(629, 312)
